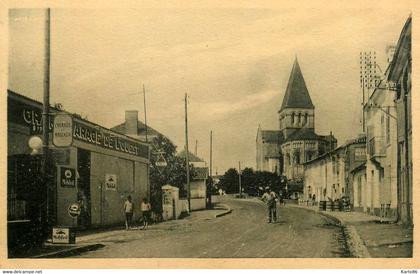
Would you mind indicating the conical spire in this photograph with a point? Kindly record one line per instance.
(297, 95)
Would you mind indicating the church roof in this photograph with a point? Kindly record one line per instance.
(304, 134)
(297, 95)
(272, 136)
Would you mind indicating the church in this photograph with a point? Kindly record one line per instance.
(284, 151)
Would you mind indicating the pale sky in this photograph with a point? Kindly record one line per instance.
(233, 63)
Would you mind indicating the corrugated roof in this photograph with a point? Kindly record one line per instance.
(297, 95)
(200, 173)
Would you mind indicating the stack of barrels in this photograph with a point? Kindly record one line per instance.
(322, 205)
(337, 205)
(346, 205)
(328, 205)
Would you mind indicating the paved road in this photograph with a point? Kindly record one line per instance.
(242, 234)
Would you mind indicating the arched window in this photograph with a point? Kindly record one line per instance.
(299, 118)
(296, 158)
(309, 156)
(305, 121)
(293, 118)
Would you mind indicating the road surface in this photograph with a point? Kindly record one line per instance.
(242, 234)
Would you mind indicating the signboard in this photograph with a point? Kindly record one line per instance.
(63, 236)
(62, 130)
(26, 114)
(160, 162)
(74, 210)
(67, 177)
(102, 137)
(111, 182)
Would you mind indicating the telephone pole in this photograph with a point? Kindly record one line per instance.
(240, 183)
(145, 112)
(211, 152)
(186, 155)
(45, 124)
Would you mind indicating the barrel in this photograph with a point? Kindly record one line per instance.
(321, 205)
(346, 206)
(337, 205)
(328, 206)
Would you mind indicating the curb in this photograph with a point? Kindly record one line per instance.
(355, 244)
(228, 211)
(70, 251)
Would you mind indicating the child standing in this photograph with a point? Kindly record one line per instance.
(128, 209)
(145, 208)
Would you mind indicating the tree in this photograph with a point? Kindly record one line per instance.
(173, 174)
(229, 182)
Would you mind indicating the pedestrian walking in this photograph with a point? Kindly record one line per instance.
(128, 209)
(146, 209)
(270, 199)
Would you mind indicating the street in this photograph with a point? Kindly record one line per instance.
(244, 233)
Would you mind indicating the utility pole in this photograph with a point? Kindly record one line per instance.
(186, 154)
(210, 179)
(145, 112)
(211, 152)
(45, 124)
(240, 183)
(196, 144)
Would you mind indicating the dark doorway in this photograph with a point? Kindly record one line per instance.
(83, 188)
(26, 204)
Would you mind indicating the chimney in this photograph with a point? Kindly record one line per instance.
(131, 118)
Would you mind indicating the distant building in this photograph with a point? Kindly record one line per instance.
(135, 128)
(198, 184)
(286, 150)
(399, 76)
(329, 176)
(381, 142)
(268, 150)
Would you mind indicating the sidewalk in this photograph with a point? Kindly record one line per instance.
(368, 237)
(97, 238)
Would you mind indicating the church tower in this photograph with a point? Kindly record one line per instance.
(296, 111)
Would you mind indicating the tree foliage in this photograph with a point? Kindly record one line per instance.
(252, 182)
(173, 174)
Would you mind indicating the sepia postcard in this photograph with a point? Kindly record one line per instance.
(209, 135)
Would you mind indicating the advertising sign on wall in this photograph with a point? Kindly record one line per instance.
(61, 235)
(74, 210)
(67, 177)
(111, 182)
(63, 130)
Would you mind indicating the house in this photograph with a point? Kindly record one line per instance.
(198, 184)
(399, 77)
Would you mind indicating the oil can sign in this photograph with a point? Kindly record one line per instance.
(63, 130)
(74, 210)
(111, 182)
